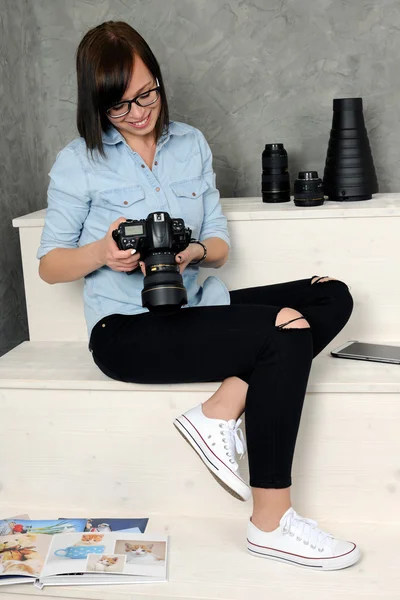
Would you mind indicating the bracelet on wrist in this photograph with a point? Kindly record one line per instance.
(196, 262)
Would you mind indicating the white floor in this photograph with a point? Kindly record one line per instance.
(209, 560)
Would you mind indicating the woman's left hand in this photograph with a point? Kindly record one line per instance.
(192, 252)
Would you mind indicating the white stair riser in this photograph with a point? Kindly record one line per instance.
(360, 251)
(119, 453)
(55, 312)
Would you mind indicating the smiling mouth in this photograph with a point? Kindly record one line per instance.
(141, 123)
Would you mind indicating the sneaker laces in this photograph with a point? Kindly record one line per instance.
(233, 440)
(305, 530)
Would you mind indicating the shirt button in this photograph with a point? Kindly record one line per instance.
(157, 189)
(193, 193)
(142, 166)
(156, 163)
(125, 201)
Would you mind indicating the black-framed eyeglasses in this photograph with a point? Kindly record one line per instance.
(144, 99)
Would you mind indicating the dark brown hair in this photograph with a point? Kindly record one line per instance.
(104, 64)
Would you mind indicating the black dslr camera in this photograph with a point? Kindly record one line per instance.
(158, 239)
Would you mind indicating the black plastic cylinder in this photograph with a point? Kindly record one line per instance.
(349, 172)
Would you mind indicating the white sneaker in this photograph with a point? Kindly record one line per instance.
(298, 541)
(216, 442)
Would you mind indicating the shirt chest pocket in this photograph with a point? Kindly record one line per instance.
(190, 196)
(128, 202)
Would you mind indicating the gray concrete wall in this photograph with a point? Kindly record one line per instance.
(23, 144)
(245, 73)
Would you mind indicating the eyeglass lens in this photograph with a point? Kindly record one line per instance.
(143, 100)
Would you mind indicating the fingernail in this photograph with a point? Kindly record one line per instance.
(133, 251)
(180, 258)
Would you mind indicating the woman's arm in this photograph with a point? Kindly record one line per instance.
(69, 264)
(61, 257)
(61, 265)
(68, 205)
(217, 252)
(214, 231)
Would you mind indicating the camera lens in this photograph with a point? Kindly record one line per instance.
(163, 290)
(308, 189)
(275, 182)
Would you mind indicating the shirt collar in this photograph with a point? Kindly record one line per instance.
(113, 136)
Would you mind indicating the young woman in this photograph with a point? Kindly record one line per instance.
(130, 161)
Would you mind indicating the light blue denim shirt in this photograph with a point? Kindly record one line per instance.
(85, 196)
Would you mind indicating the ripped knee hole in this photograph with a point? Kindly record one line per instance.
(317, 279)
(290, 312)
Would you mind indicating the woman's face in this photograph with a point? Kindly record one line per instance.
(131, 126)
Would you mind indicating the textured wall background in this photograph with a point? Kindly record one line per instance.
(245, 73)
(22, 155)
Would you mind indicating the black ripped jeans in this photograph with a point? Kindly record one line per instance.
(215, 342)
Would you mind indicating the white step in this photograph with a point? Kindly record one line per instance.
(209, 560)
(73, 439)
(357, 242)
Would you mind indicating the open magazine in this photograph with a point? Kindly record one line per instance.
(82, 556)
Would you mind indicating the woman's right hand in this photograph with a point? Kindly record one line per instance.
(112, 256)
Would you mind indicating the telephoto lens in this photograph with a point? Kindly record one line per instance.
(275, 183)
(163, 290)
(308, 189)
(349, 167)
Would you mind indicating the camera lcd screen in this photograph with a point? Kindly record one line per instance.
(372, 350)
(134, 230)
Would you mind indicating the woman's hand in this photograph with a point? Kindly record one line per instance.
(192, 252)
(112, 256)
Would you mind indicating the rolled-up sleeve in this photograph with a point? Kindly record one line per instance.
(214, 222)
(68, 204)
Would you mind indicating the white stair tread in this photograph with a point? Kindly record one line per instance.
(209, 560)
(252, 208)
(69, 365)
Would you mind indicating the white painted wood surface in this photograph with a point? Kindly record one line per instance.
(74, 442)
(69, 365)
(252, 208)
(357, 242)
(100, 444)
(208, 560)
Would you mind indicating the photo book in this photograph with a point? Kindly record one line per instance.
(81, 552)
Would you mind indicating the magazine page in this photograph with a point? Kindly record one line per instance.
(96, 579)
(9, 579)
(111, 553)
(22, 555)
(16, 526)
(5, 528)
(104, 525)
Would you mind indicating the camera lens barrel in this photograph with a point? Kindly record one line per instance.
(163, 290)
(275, 180)
(308, 189)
